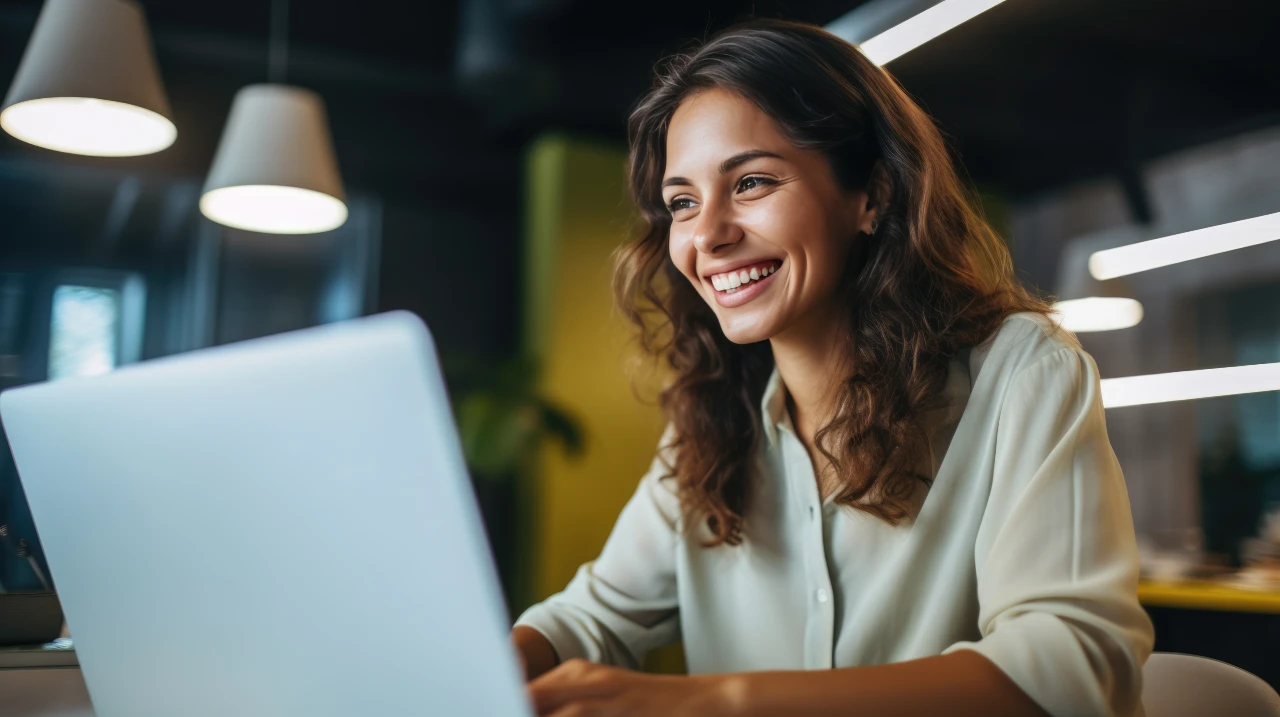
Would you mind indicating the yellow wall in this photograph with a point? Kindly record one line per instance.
(577, 215)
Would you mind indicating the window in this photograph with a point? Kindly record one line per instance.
(95, 322)
(82, 333)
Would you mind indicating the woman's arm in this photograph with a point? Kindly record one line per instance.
(1056, 558)
(536, 653)
(958, 684)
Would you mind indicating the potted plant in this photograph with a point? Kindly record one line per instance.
(503, 421)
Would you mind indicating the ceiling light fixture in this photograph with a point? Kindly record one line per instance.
(1188, 385)
(869, 25)
(275, 169)
(1155, 253)
(1098, 313)
(88, 83)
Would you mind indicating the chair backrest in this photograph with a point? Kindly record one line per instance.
(1186, 685)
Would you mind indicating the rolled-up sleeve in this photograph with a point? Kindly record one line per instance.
(1056, 559)
(624, 603)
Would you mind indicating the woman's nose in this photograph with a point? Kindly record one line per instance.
(715, 230)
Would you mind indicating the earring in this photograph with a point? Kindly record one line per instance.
(875, 224)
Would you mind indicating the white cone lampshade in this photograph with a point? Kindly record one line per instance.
(275, 169)
(88, 83)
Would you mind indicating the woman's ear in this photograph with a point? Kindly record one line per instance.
(875, 197)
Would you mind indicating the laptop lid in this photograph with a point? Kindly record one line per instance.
(282, 526)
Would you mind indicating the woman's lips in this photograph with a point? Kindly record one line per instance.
(744, 293)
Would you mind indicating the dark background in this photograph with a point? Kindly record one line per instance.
(432, 103)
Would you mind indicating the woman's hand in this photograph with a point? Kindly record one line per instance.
(579, 688)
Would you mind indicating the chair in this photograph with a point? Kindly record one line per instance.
(1188, 686)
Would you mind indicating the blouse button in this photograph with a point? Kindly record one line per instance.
(823, 595)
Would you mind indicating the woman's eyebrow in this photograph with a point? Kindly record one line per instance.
(727, 165)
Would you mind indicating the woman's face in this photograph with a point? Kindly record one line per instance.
(760, 228)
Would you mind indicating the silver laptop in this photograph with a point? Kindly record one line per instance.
(277, 527)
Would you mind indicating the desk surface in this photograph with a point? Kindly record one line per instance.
(44, 692)
(1205, 595)
(60, 691)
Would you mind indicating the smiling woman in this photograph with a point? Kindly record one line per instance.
(886, 480)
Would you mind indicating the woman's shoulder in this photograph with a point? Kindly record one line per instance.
(1021, 340)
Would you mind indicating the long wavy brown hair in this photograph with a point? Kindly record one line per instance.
(935, 278)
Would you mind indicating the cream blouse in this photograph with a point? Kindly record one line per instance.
(1023, 550)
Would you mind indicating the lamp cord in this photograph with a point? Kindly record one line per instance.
(279, 48)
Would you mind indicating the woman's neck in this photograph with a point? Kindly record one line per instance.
(812, 367)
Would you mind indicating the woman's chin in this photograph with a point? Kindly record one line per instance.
(746, 329)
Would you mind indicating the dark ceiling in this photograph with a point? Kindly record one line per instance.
(1035, 94)
(432, 104)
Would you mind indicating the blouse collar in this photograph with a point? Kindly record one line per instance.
(773, 407)
(774, 414)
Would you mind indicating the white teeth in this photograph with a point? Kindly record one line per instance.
(730, 282)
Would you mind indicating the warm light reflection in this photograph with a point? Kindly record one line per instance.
(1164, 251)
(79, 125)
(1098, 313)
(919, 29)
(1187, 385)
(274, 209)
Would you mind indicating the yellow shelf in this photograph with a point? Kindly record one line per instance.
(1203, 595)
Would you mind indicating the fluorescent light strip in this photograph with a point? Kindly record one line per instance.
(910, 34)
(1188, 385)
(1155, 253)
(1098, 313)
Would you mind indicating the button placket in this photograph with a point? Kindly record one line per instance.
(821, 620)
(825, 594)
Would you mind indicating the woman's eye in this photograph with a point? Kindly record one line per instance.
(677, 204)
(749, 183)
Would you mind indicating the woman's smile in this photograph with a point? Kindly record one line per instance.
(739, 285)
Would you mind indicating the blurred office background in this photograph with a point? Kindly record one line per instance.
(480, 147)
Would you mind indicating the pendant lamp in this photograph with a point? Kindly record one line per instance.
(88, 83)
(275, 170)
